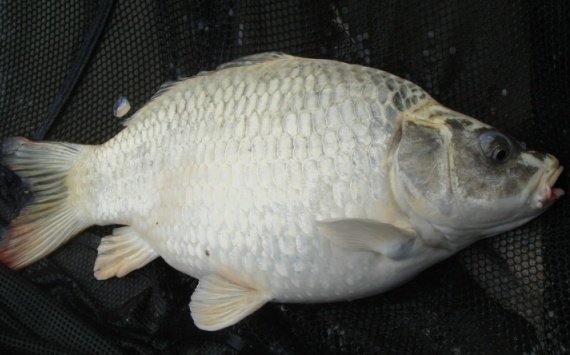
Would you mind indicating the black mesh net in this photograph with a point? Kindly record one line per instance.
(504, 62)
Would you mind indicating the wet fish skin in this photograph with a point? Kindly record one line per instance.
(280, 178)
(240, 180)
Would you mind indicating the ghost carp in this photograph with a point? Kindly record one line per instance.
(278, 178)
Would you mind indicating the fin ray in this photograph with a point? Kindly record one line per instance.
(122, 252)
(253, 59)
(50, 220)
(218, 303)
(368, 235)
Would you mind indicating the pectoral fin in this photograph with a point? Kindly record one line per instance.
(369, 235)
(218, 303)
(121, 253)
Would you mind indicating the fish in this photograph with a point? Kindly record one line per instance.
(277, 178)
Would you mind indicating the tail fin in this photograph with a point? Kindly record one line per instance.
(50, 220)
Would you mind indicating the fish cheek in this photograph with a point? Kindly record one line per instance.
(478, 178)
(423, 167)
(473, 177)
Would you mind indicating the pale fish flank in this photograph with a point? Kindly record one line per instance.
(279, 178)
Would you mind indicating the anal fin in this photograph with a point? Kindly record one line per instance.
(218, 303)
(122, 252)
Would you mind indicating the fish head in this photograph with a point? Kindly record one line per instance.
(467, 179)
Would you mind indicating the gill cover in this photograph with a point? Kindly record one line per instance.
(464, 177)
(422, 168)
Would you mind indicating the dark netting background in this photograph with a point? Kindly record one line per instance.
(505, 62)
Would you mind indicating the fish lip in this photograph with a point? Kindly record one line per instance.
(547, 193)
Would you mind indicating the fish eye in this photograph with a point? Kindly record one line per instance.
(496, 146)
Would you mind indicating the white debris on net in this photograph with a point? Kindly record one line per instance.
(240, 34)
(122, 107)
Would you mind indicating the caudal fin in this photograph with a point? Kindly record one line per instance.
(50, 220)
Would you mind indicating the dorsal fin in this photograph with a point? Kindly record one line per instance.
(240, 62)
(163, 89)
(247, 61)
(253, 59)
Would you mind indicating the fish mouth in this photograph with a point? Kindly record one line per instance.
(547, 192)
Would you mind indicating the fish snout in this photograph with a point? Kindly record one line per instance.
(547, 194)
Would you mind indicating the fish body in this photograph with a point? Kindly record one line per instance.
(278, 178)
(237, 167)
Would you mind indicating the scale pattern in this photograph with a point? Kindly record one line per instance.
(228, 171)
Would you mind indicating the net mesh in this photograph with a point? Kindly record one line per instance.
(504, 62)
